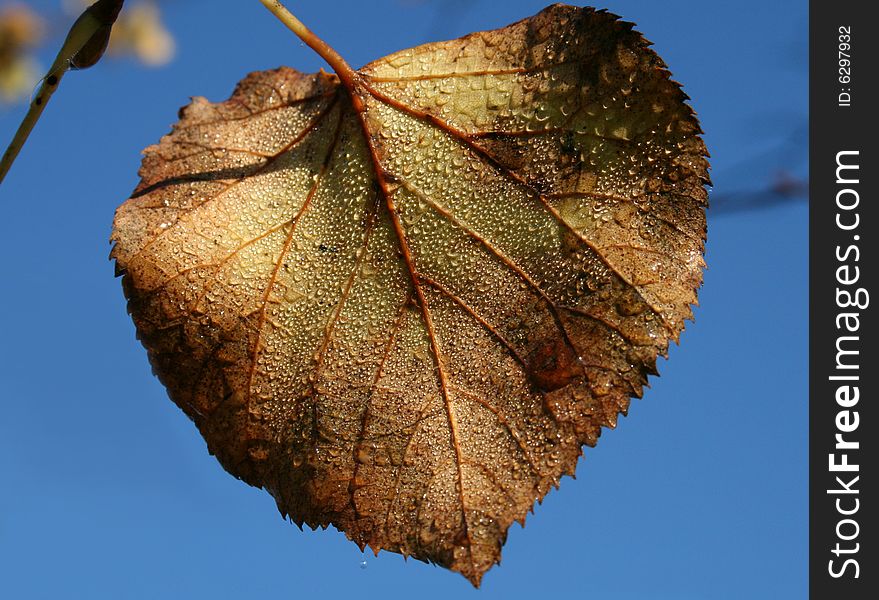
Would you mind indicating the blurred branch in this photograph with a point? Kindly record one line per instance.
(785, 189)
(775, 176)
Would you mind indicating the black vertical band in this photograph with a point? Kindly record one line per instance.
(843, 335)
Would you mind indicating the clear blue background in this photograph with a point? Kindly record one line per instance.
(107, 490)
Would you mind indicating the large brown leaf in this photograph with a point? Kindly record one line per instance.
(404, 302)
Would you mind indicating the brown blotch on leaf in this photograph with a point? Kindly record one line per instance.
(553, 365)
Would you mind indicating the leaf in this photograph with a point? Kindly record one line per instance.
(403, 301)
(21, 30)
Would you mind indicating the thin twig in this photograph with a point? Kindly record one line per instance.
(83, 47)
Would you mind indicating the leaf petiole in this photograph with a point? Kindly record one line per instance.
(342, 68)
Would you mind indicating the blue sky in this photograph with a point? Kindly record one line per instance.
(108, 490)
